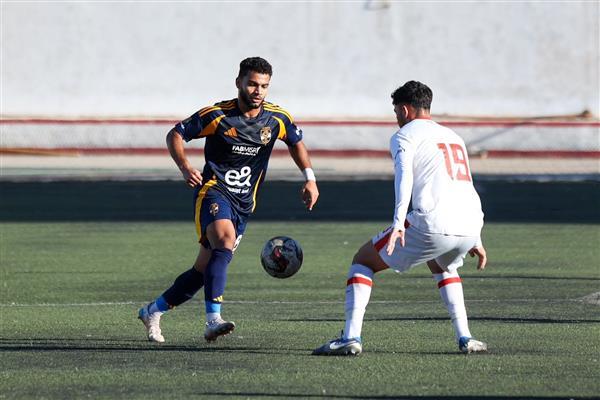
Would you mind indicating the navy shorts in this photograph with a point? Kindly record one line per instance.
(211, 205)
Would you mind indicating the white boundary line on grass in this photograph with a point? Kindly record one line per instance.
(138, 303)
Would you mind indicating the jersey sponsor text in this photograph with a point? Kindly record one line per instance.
(245, 150)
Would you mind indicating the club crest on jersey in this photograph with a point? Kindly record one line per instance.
(265, 134)
(214, 209)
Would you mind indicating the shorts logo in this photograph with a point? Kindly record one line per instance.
(214, 209)
(265, 134)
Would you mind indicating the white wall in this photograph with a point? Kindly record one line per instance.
(331, 59)
(578, 137)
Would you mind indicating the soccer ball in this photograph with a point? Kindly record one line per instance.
(281, 257)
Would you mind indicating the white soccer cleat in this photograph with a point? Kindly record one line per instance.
(217, 327)
(152, 324)
(469, 345)
(340, 347)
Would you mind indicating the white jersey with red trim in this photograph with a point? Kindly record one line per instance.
(432, 168)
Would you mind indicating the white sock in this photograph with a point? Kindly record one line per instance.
(211, 316)
(358, 292)
(451, 292)
(153, 309)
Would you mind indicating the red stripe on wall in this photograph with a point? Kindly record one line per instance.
(87, 121)
(359, 279)
(393, 124)
(448, 281)
(542, 154)
(492, 124)
(351, 153)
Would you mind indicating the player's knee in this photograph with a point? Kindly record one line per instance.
(224, 239)
(221, 234)
(224, 242)
(368, 256)
(357, 258)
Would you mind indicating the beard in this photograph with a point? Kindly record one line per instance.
(247, 100)
(401, 121)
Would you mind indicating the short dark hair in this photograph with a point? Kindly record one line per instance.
(255, 64)
(415, 93)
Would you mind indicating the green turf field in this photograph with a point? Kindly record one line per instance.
(70, 294)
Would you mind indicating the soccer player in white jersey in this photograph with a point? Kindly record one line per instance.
(432, 169)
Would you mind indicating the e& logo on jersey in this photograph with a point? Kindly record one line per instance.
(240, 179)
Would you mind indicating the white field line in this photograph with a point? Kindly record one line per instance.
(275, 302)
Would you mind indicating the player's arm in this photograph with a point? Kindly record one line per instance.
(175, 144)
(310, 192)
(403, 155)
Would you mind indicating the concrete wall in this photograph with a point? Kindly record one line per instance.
(537, 137)
(331, 59)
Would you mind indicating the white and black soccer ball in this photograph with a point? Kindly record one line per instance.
(281, 257)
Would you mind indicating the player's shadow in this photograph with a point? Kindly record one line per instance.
(397, 397)
(538, 278)
(116, 345)
(75, 346)
(489, 319)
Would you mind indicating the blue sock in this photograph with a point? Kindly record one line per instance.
(184, 288)
(215, 277)
(160, 304)
(212, 307)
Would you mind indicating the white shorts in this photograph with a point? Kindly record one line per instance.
(447, 250)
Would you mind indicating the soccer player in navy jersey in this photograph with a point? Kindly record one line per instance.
(240, 135)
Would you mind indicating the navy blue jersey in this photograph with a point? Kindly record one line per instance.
(237, 148)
